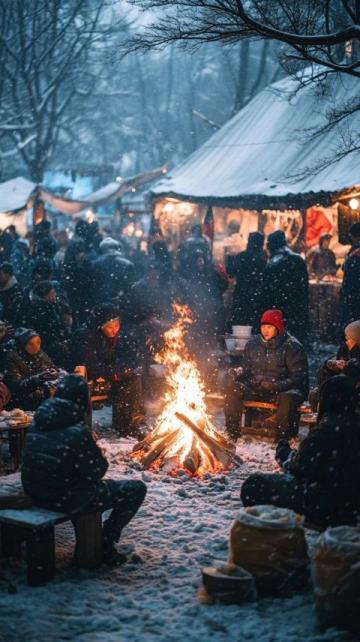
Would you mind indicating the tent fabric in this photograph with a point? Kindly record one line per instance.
(260, 150)
(14, 194)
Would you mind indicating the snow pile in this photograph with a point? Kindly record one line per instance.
(182, 526)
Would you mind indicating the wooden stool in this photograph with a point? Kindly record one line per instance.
(36, 526)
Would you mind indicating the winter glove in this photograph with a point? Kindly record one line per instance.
(283, 451)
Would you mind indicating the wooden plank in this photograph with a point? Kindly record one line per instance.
(32, 518)
(40, 547)
(88, 529)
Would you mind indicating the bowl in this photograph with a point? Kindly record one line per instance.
(230, 343)
(240, 343)
(243, 331)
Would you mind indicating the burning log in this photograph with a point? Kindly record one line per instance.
(158, 447)
(192, 459)
(224, 453)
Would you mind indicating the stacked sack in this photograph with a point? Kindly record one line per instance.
(336, 576)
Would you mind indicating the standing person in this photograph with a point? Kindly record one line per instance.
(286, 285)
(195, 243)
(110, 353)
(73, 482)
(275, 369)
(321, 479)
(321, 261)
(349, 293)
(12, 297)
(248, 268)
(44, 244)
(78, 281)
(52, 320)
(22, 262)
(113, 274)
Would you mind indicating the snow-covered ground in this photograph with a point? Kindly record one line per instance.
(182, 526)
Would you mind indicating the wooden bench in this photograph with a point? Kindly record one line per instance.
(36, 526)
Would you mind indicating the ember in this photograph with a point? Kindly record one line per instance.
(183, 437)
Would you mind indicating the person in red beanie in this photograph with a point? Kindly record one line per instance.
(275, 369)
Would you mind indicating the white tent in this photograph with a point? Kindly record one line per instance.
(15, 194)
(257, 152)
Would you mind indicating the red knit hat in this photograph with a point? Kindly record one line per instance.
(275, 318)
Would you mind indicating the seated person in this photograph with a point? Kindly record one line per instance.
(347, 360)
(321, 479)
(72, 480)
(109, 353)
(28, 371)
(275, 370)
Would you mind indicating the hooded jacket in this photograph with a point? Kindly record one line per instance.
(113, 274)
(281, 360)
(62, 464)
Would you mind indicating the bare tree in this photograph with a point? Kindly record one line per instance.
(50, 54)
(316, 32)
(322, 34)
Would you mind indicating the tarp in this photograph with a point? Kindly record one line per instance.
(259, 151)
(14, 194)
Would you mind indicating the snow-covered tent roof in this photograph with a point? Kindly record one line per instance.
(14, 194)
(256, 152)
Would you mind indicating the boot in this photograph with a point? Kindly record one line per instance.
(112, 557)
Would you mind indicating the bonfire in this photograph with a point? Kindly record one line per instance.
(183, 437)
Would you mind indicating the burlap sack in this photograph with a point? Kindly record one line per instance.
(336, 575)
(270, 544)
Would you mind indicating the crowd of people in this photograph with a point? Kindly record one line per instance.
(94, 305)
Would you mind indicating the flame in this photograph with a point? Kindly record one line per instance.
(185, 395)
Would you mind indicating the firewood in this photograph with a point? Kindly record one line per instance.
(159, 445)
(192, 459)
(224, 455)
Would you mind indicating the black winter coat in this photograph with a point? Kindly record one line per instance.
(62, 464)
(349, 293)
(248, 268)
(328, 464)
(281, 360)
(113, 276)
(103, 357)
(26, 377)
(12, 300)
(286, 287)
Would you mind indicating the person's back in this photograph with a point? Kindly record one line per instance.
(328, 459)
(63, 467)
(322, 478)
(61, 461)
(349, 293)
(113, 274)
(248, 268)
(286, 285)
